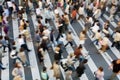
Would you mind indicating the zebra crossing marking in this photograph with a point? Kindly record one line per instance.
(33, 60)
(16, 33)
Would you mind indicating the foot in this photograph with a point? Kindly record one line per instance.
(4, 51)
(3, 68)
(28, 50)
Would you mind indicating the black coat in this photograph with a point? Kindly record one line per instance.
(80, 69)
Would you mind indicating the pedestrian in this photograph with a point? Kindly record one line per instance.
(69, 39)
(22, 43)
(37, 38)
(17, 72)
(21, 54)
(104, 42)
(56, 70)
(73, 15)
(112, 12)
(82, 37)
(116, 40)
(99, 74)
(4, 43)
(57, 55)
(40, 55)
(67, 21)
(98, 37)
(78, 52)
(52, 38)
(115, 66)
(14, 55)
(60, 30)
(68, 74)
(106, 28)
(44, 74)
(81, 12)
(81, 68)
(43, 44)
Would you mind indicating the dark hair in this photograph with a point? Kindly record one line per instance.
(20, 36)
(1, 36)
(85, 61)
(80, 46)
(100, 68)
(44, 68)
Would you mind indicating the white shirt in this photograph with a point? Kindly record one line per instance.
(21, 41)
(46, 32)
(12, 54)
(100, 75)
(38, 11)
(81, 10)
(56, 11)
(95, 28)
(40, 4)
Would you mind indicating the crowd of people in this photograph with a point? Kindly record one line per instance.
(89, 11)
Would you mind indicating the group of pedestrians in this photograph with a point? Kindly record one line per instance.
(89, 11)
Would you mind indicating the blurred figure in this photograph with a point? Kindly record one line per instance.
(17, 72)
(99, 74)
(81, 68)
(115, 66)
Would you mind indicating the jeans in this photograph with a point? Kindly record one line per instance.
(96, 40)
(14, 60)
(69, 42)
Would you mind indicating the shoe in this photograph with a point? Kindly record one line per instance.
(3, 68)
(4, 51)
(73, 45)
(28, 50)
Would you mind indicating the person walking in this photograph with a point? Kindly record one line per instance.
(82, 37)
(69, 38)
(44, 74)
(23, 58)
(81, 68)
(17, 72)
(56, 70)
(116, 40)
(115, 66)
(99, 74)
(73, 15)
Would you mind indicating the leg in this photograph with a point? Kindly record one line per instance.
(58, 37)
(112, 76)
(71, 43)
(66, 44)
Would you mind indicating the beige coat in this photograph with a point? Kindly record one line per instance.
(22, 56)
(117, 37)
(69, 37)
(56, 70)
(82, 36)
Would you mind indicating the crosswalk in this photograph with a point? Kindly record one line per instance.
(35, 69)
